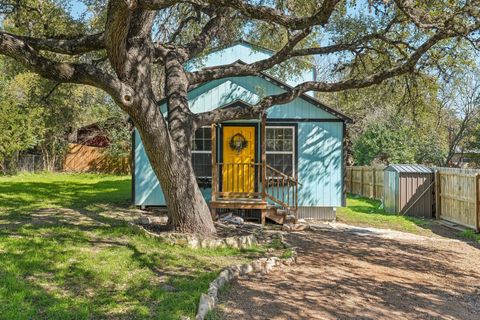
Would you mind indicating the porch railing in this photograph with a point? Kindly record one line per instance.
(255, 181)
(281, 188)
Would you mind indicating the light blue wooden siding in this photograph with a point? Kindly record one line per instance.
(147, 188)
(319, 168)
(320, 163)
(250, 90)
(297, 109)
(244, 52)
(319, 143)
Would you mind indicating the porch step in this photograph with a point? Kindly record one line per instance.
(239, 203)
(279, 215)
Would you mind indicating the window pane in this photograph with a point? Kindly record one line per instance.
(270, 159)
(207, 144)
(270, 133)
(198, 145)
(270, 145)
(278, 145)
(199, 133)
(281, 162)
(202, 140)
(202, 164)
(288, 133)
(207, 133)
(287, 145)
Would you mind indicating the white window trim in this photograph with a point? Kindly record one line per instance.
(203, 151)
(293, 152)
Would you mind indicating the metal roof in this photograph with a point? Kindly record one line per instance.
(409, 168)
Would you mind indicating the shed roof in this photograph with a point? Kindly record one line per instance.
(409, 168)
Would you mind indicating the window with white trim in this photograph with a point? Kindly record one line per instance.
(280, 148)
(202, 152)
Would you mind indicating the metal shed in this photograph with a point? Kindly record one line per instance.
(409, 189)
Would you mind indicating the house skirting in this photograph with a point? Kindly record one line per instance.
(317, 213)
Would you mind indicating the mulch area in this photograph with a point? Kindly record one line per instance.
(342, 275)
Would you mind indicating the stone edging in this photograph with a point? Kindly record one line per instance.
(193, 241)
(260, 266)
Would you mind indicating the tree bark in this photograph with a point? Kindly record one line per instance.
(188, 211)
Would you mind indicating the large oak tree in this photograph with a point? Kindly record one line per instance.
(137, 51)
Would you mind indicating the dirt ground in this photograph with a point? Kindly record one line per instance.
(363, 274)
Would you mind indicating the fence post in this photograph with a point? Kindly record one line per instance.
(351, 180)
(477, 202)
(374, 182)
(438, 198)
(361, 181)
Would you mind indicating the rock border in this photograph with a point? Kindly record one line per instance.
(195, 242)
(258, 267)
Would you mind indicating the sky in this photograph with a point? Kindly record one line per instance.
(77, 8)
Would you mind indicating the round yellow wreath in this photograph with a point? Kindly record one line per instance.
(238, 142)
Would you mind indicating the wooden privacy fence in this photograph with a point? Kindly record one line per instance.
(81, 158)
(457, 191)
(457, 196)
(365, 181)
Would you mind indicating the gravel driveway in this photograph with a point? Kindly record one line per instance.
(357, 273)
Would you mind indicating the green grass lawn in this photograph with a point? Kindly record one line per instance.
(368, 213)
(66, 252)
(470, 235)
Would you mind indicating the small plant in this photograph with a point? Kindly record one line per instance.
(276, 244)
(213, 315)
(288, 253)
(470, 234)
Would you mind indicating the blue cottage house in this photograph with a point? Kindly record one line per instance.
(290, 161)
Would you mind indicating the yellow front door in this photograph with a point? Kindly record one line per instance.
(238, 173)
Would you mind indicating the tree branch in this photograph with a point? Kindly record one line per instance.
(269, 14)
(116, 31)
(74, 46)
(208, 32)
(227, 113)
(353, 83)
(62, 72)
(258, 12)
(240, 69)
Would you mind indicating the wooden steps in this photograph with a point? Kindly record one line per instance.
(274, 213)
(279, 215)
(239, 203)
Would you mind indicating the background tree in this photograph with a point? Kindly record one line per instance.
(59, 108)
(18, 127)
(119, 53)
(461, 101)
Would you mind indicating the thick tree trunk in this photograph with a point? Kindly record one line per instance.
(188, 211)
(168, 145)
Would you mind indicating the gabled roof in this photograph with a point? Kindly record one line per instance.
(256, 47)
(306, 97)
(287, 87)
(311, 100)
